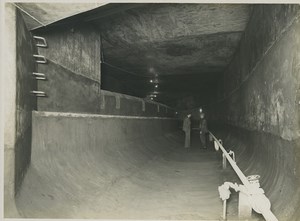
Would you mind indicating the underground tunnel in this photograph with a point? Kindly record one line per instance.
(96, 96)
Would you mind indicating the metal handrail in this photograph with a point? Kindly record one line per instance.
(238, 171)
(256, 203)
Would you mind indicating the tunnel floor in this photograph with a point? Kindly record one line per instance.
(177, 184)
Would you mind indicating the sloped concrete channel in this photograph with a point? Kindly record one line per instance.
(124, 158)
(79, 169)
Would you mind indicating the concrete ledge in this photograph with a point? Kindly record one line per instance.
(113, 103)
(109, 93)
(80, 115)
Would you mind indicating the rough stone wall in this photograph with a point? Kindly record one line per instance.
(73, 70)
(67, 91)
(261, 85)
(77, 48)
(261, 100)
(18, 104)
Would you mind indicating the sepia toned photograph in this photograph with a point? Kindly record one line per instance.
(155, 110)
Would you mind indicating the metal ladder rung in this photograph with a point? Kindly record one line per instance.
(39, 76)
(40, 59)
(38, 93)
(42, 44)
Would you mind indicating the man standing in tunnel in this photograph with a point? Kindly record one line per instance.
(187, 129)
(203, 128)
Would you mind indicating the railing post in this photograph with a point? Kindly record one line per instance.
(244, 207)
(224, 210)
(224, 161)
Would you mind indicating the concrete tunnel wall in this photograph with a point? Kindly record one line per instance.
(18, 103)
(263, 98)
(259, 107)
(73, 72)
(257, 113)
(261, 86)
(75, 75)
(95, 152)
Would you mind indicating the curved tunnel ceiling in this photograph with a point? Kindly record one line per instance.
(169, 39)
(185, 47)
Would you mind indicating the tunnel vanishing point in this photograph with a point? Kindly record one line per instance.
(94, 94)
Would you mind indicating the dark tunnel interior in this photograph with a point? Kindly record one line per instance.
(172, 46)
(182, 51)
(96, 101)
